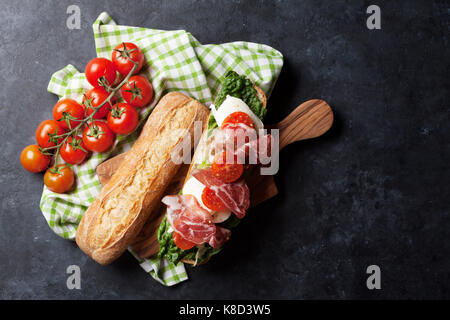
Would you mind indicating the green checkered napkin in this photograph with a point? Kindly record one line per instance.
(176, 62)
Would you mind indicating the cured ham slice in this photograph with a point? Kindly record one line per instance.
(233, 137)
(256, 151)
(235, 196)
(222, 236)
(192, 222)
(244, 142)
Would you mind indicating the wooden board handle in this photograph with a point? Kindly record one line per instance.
(309, 120)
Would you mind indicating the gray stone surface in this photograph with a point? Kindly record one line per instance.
(374, 190)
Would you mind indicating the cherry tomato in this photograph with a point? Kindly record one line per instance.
(182, 243)
(92, 99)
(236, 118)
(73, 151)
(59, 179)
(65, 110)
(98, 136)
(33, 160)
(138, 91)
(212, 201)
(100, 72)
(227, 172)
(45, 132)
(123, 118)
(241, 128)
(124, 54)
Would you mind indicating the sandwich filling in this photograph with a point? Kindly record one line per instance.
(215, 196)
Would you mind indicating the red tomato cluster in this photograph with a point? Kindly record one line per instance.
(77, 129)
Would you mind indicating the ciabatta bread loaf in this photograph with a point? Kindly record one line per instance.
(125, 203)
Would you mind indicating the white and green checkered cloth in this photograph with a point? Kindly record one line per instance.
(176, 62)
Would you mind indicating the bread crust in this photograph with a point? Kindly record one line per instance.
(125, 203)
(261, 96)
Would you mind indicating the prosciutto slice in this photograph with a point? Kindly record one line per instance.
(244, 142)
(222, 235)
(192, 222)
(233, 137)
(235, 196)
(255, 151)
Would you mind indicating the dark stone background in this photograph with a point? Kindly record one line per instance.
(374, 190)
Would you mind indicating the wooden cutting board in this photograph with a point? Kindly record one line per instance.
(309, 120)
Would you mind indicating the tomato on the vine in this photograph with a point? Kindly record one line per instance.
(181, 242)
(92, 99)
(46, 133)
(227, 172)
(98, 136)
(138, 91)
(119, 79)
(59, 179)
(123, 118)
(66, 111)
(33, 160)
(123, 56)
(100, 72)
(73, 151)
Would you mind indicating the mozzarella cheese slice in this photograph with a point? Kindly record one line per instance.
(195, 188)
(221, 216)
(231, 105)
